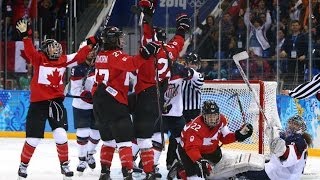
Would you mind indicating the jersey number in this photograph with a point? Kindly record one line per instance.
(195, 126)
(105, 74)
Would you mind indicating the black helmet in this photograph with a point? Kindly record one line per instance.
(110, 38)
(210, 107)
(52, 48)
(192, 58)
(160, 34)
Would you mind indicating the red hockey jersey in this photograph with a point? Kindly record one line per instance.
(47, 80)
(197, 138)
(146, 73)
(112, 69)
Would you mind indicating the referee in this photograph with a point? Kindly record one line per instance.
(191, 89)
(306, 89)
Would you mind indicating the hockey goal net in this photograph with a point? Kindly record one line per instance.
(224, 94)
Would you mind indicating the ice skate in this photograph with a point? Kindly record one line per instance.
(127, 174)
(157, 173)
(82, 165)
(150, 176)
(105, 173)
(90, 159)
(67, 173)
(22, 172)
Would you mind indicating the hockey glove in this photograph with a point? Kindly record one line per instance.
(182, 24)
(244, 132)
(166, 108)
(149, 49)
(23, 29)
(204, 167)
(278, 147)
(86, 96)
(181, 70)
(148, 6)
(93, 40)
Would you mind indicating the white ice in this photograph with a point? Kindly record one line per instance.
(44, 164)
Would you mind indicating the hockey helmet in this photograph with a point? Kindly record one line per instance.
(159, 34)
(192, 58)
(112, 38)
(51, 48)
(296, 124)
(210, 113)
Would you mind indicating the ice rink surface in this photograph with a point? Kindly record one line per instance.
(44, 164)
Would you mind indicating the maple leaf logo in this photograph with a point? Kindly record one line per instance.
(99, 78)
(55, 78)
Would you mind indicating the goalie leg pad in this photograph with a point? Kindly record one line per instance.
(230, 165)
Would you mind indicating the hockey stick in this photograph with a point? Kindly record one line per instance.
(240, 106)
(137, 10)
(158, 102)
(241, 56)
(74, 96)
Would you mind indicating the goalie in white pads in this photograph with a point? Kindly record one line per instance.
(289, 153)
(200, 139)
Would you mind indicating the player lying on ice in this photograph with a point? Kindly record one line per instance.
(289, 154)
(199, 148)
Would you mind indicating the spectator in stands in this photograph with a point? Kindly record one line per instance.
(295, 49)
(205, 69)
(258, 43)
(46, 18)
(214, 73)
(240, 35)
(7, 17)
(227, 27)
(206, 49)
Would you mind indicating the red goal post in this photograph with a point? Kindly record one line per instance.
(223, 93)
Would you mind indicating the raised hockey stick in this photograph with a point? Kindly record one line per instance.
(241, 56)
(137, 10)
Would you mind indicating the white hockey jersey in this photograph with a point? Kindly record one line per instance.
(289, 169)
(82, 79)
(173, 94)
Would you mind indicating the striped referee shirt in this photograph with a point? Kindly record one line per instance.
(307, 89)
(191, 91)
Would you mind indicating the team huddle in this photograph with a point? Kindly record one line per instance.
(136, 118)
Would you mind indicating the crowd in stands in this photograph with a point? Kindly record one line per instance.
(253, 27)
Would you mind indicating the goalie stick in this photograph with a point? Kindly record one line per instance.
(240, 107)
(241, 56)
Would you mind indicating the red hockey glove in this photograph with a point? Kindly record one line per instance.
(86, 96)
(148, 6)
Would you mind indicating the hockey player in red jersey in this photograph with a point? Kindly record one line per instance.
(200, 140)
(110, 102)
(46, 99)
(147, 110)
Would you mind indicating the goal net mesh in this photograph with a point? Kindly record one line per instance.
(224, 94)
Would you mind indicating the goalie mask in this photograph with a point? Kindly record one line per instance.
(210, 113)
(159, 34)
(112, 38)
(51, 48)
(296, 124)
